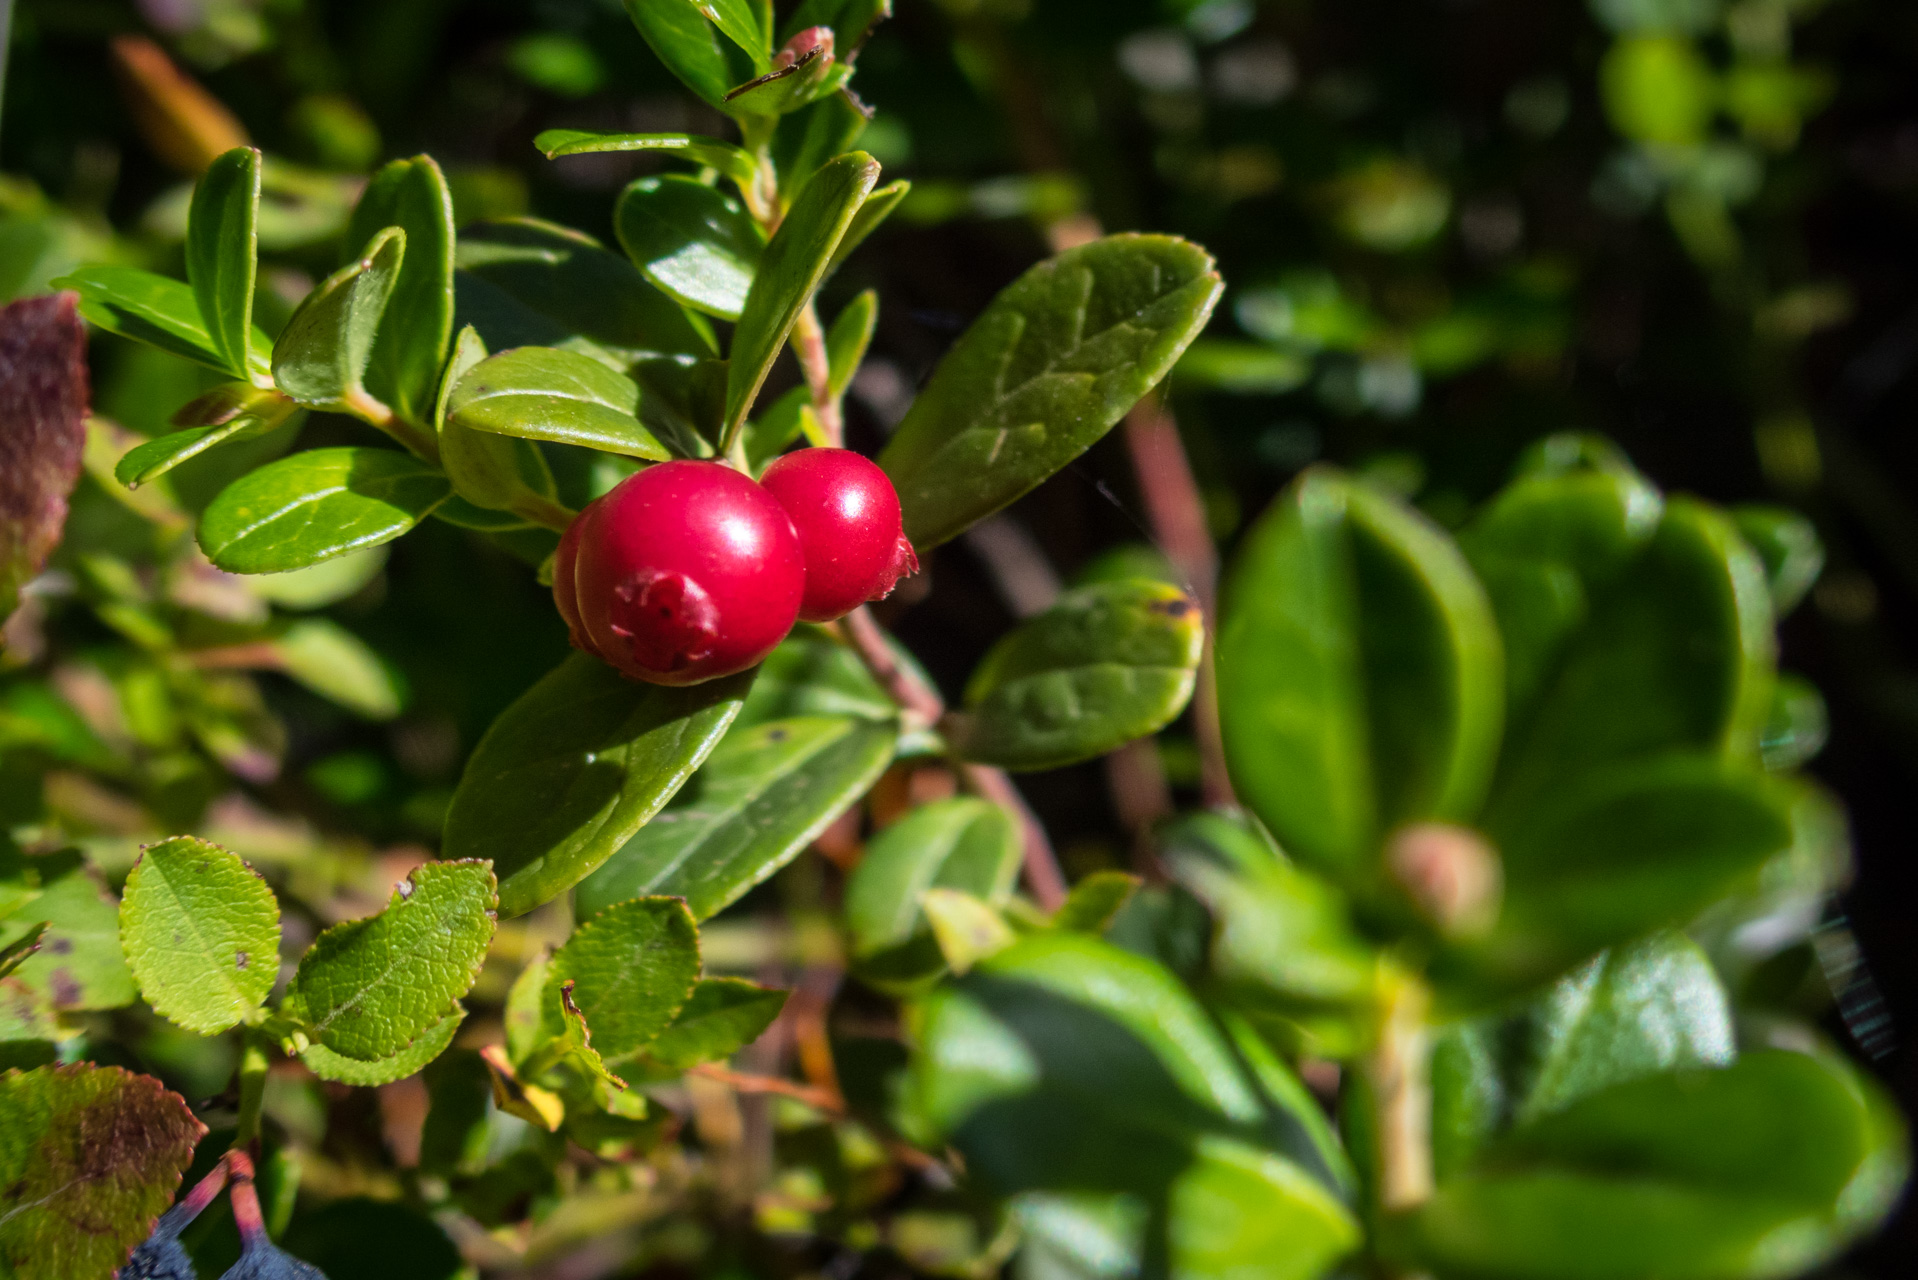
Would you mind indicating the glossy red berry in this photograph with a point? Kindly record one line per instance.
(684, 572)
(847, 515)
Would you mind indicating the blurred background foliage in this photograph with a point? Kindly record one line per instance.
(1448, 228)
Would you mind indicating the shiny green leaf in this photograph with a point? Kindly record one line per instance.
(1105, 665)
(1798, 725)
(492, 472)
(812, 673)
(691, 47)
(149, 308)
(312, 506)
(794, 263)
(710, 152)
(877, 208)
(1360, 675)
(544, 393)
(149, 461)
(368, 988)
(412, 343)
(523, 282)
(696, 243)
(321, 356)
(1054, 362)
(222, 253)
(201, 932)
(1788, 545)
(576, 766)
(761, 798)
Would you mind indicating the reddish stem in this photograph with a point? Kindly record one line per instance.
(245, 1200)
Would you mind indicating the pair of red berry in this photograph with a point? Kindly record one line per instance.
(690, 570)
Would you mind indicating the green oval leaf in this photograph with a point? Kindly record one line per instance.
(430, 1044)
(544, 393)
(1105, 665)
(794, 263)
(693, 241)
(312, 506)
(764, 795)
(1058, 357)
(711, 152)
(632, 966)
(322, 354)
(574, 768)
(1360, 674)
(1788, 544)
(1763, 1168)
(961, 843)
(222, 254)
(153, 459)
(74, 1201)
(149, 308)
(813, 674)
(368, 988)
(1070, 1072)
(691, 48)
(411, 345)
(877, 208)
(523, 282)
(339, 666)
(201, 932)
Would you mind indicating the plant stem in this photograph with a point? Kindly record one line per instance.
(922, 704)
(253, 1067)
(372, 410)
(809, 344)
(1399, 1068)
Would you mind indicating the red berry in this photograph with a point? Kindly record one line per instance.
(847, 515)
(684, 572)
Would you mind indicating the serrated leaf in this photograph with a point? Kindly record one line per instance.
(89, 1158)
(337, 665)
(321, 357)
(368, 988)
(310, 507)
(760, 799)
(576, 1040)
(1360, 674)
(1105, 665)
(201, 932)
(961, 843)
(429, 1045)
(523, 282)
(710, 152)
(222, 254)
(417, 330)
(1763, 1168)
(149, 308)
(632, 967)
(696, 243)
(794, 263)
(1058, 357)
(544, 393)
(721, 1017)
(574, 768)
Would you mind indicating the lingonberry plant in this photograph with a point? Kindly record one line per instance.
(1516, 803)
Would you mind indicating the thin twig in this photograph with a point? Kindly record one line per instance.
(922, 703)
(809, 344)
(743, 1082)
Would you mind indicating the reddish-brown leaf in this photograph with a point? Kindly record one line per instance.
(43, 430)
(89, 1158)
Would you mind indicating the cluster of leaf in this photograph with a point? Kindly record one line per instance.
(1566, 710)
